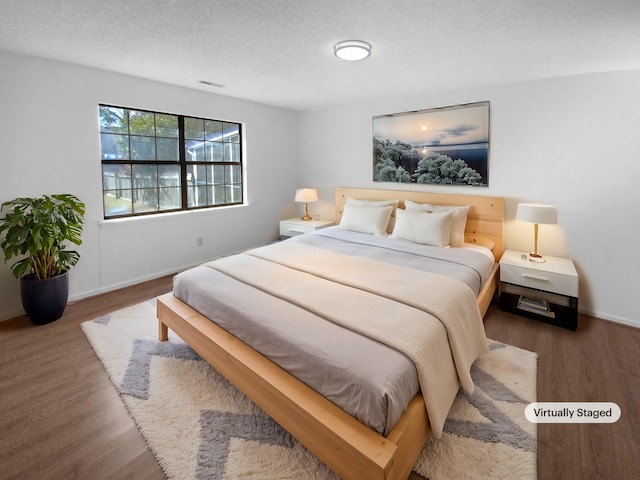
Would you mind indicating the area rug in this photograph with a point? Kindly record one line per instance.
(199, 426)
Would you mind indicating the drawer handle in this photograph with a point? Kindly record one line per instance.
(293, 230)
(534, 277)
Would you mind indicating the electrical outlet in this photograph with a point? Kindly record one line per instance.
(199, 241)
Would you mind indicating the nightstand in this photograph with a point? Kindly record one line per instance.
(544, 291)
(296, 226)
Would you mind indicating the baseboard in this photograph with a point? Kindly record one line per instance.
(610, 318)
(11, 316)
(128, 283)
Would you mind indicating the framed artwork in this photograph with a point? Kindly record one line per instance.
(444, 146)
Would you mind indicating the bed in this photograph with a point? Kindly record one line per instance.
(348, 444)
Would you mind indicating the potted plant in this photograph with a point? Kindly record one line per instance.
(36, 229)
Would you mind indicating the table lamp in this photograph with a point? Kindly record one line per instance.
(306, 195)
(537, 214)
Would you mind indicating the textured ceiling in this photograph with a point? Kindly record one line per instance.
(280, 52)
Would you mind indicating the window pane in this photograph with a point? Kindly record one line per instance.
(199, 173)
(167, 149)
(141, 123)
(201, 195)
(169, 175)
(113, 120)
(166, 125)
(209, 170)
(218, 174)
(145, 200)
(234, 193)
(193, 128)
(213, 129)
(201, 179)
(194, 152)
(190, 196)
(232, 152)
(143, 148)
(116, 180)
(213, 152)
(114, 147)
(145, 176)
(170, 198)
(116, 177)
(231, 132)
(197, 196)
(236, 174)
(116, 206)
(219, 196)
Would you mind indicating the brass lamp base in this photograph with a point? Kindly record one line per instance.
(534, 257)
(306, 212)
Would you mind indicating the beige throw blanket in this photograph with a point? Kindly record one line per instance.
(432, 319)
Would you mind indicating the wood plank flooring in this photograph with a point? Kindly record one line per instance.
(60, 417)
(597, 363)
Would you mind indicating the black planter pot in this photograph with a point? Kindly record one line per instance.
(44, 301)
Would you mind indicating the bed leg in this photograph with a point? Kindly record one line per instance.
(163, 331)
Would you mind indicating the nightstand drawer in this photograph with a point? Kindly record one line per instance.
(540, 280)
(292, 229)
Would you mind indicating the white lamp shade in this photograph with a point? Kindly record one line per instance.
(537, 213)
(306, 195)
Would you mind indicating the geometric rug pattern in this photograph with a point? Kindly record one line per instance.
(199, 426)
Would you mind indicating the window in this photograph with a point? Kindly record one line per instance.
(158, 162)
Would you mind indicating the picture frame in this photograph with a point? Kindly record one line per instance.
(444, 145)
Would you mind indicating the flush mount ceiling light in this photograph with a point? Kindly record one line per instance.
(352, 50)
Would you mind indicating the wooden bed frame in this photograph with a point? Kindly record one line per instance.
(348, 447)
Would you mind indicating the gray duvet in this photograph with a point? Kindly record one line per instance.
(367, 379)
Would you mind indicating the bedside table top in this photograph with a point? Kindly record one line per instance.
(308, 223)
(561, 266)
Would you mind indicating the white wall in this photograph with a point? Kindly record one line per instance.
(49, 144)
(573, 142)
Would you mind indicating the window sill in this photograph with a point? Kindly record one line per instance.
(163, 217)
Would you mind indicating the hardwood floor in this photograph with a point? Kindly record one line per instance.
(62, 418)
(597, 363)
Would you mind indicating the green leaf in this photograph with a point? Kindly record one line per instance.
(38, 228)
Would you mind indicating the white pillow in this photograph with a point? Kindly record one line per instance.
(378, 203)
(459, 217)
(372, 220)
(423, 207)
(374, 203)
(423, 227)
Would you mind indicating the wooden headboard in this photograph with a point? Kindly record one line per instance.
(485, 219)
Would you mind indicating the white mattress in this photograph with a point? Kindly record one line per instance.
(369, 380)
